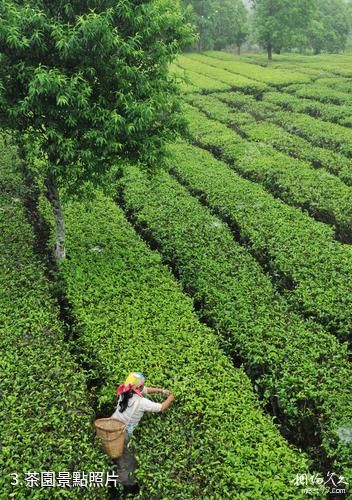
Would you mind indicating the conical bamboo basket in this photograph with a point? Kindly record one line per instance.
(112, 434)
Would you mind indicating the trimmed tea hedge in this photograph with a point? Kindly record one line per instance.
(235, 81)
(194, 82)
(330, 161)
(282, 140)
(325, 197)
(321, 93)
(318, 268)
(341, 84)
(292, 66)
(319, 66)
(289, 360)
(46, 418)
(132, 315)
(260, 110)
(341, 114)
(270, 76)
(296, 124)
(218, 110)
(319, 133)
(324, 66)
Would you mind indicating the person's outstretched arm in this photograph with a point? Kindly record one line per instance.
(167, 403)
(156, 390)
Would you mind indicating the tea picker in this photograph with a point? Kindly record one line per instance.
(130, 408)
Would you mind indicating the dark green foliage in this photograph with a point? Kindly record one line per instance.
(86, 84)
(89, 80)
(330, 26)
(280, 24)
(230, 25)
(219, 23)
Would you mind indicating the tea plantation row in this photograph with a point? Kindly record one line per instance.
(46, 418)
(341, 114)
(326, 197)
(302, 251)
(220, 63)
(319, 133)
(290, 361)
(242, 111)
(131, 314)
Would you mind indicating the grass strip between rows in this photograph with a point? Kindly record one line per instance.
(46, 418)
(292, 362)
(132, 315)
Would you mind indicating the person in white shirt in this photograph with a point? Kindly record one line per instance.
(132, 404)
(130, 409)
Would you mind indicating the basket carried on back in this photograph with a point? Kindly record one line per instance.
(112, 434)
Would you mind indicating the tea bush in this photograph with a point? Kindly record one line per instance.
(235, 81)
(214, 442)
(326, 197)
(271, 77)
(287, 358)
(46, 420)
(320, 278)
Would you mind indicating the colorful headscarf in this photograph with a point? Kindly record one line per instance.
(134, 380)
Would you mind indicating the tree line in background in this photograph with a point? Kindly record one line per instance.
(276, 25)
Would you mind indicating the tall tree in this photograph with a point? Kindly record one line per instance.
(84, 84)
(330, 27)
(201, 15)
(220, 23)
(349, 17)
(230, 24)
(278, 23)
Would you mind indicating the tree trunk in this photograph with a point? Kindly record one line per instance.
(270, 52)
(54, 199)
(199, 42)
(317, 51)
(239, 50)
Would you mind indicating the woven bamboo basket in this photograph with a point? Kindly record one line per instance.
(112, 434)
